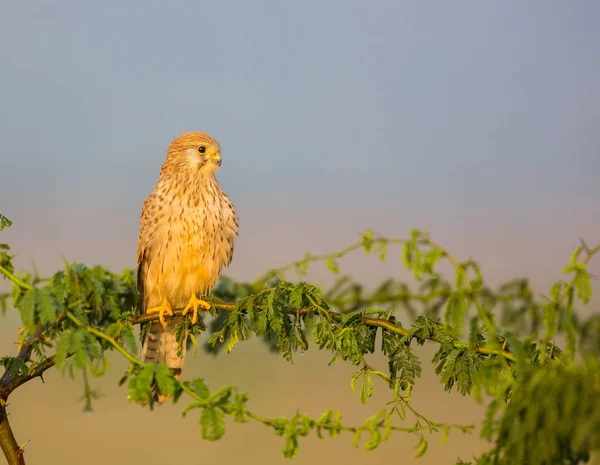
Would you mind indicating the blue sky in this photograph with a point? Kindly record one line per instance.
(477, 119)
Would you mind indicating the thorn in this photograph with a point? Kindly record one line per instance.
(22, 448)
(584, 246)
(377, 235)
(35, 275)
(43, 381)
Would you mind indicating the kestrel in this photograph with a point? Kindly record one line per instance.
(187, 229)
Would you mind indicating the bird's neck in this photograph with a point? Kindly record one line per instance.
(202, 189)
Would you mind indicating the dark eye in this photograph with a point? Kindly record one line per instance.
(202, 149)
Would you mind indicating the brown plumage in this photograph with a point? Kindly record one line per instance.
(187, 229)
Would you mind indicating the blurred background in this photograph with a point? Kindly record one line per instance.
(477, 120)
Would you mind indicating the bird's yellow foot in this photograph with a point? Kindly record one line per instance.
(193, 305)
(162, 309)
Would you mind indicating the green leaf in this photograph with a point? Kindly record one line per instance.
(200, 388)
(37, 305)
(569, 328)
(222, 396)
(165, 379)
(79, 342)
(366, 241)
(388, 425)
(411, 257)
(63, 348)
(415, 235)
(583, 285)
(296, 296)
(575, 255)
(430, 259)
(128, 338)
(17, 293)
(14, 366)
(555, 291)
(140, 385)
(301, 340)
(445, 435)
(422, 447)
(550, 320)
(353, 380)
(456, 311)
(27, 308)
(302, 265)
(331, 420)
(259, 320)
(234, 338)
(99, 366)
(212, 420)
(383, 250)
(4, 222)
(193, 406)
(356, 437)
(367, 388)
(239, 409)
(374, 439)
(45, 305)
(332, 265)
(404, 365)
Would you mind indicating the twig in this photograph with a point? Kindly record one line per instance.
(14, 279)
(106, 337)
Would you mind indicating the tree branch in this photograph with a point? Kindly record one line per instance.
(8, 383)
(8, 443)
(375, 322)
(37, 371)
(24, 353)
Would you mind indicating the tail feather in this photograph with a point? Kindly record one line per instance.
(160, 346)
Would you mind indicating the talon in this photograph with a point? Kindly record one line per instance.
(162, 309)
(193, 305)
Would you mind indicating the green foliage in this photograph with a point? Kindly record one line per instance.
(143, 379)
(456, 366)
(494, 344)
(14, 366)
(38, 305)
(215, 407)
(404, 365)
(561, 425)
(75, 349)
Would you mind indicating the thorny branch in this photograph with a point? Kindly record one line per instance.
(9, 383)
(8, 443)
(375, 322)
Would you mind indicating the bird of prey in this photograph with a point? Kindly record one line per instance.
(187, 229)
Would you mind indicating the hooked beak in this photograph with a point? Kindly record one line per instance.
(216, 158)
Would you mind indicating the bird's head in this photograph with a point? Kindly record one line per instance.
(193, 151)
